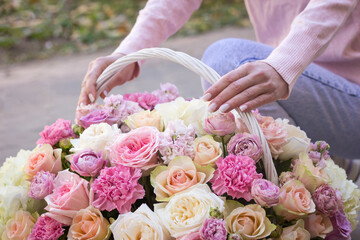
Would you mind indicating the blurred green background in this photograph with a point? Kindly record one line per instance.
(40, 28)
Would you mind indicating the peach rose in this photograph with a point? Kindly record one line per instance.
(145, 118)
(296, 231)
(180, 174)
(318, 225)
(250, 222)
(43, 158)
(305, 171)
(207, 150)
(295, 201)
(70, 195)
(19, 227)
(89, 224)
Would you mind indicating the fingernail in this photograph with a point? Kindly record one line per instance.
(243, 107)
(91, 97)
(212, 107)
(224, 107)
(206, 97)
(105, 93)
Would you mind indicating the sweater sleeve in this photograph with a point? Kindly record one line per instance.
(156, 22)
(309, 35)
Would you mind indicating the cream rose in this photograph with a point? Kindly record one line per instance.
(296, 231)
(296, 143)
(186, 211)
(250, 222)
(181, 174)
(19, 227)
(295, 201)
(145, 118)
(305, 171)
(207, 150)
(95, 137)
(141, 224)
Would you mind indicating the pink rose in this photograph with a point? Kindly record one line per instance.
(41, 185)
(145, 100)
(83, 110)
(318, 225)
(117, 187)
(69, 196)
(45, 159)
(59, 130)
(95, 117)
(295, 201)
(19, 227)
(274, 132)
(137, 149)
(190, 236)
(87, 163)
(220, 124)
(265, 193)
(285, 177)
(46, 228)
(245, 144)
(234, 176)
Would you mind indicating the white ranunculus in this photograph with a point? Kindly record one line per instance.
(12, 172)
(187, 210)
(297, 141)
(191, 112)
(141, 224)
(349, 190)
(95, 137)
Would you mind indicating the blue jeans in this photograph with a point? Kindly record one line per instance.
(323, 104)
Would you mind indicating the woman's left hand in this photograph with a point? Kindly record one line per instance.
(249, 86)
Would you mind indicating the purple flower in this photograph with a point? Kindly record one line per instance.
(265, 193)
(168, 92)
(341, 225)
(245, 144)
(46, 228)
(319, 152)
(327, 200)
(87, 163)
(95, 117)
(213, 229)
(117, 187)
(54, 133)
(41, 185)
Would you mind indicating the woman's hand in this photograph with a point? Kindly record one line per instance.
(96, 67)
(249, 86)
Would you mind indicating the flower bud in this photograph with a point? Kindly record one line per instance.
(65, 144)
(78, 130)
(215, 212)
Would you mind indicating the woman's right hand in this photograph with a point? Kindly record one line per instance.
(88, 87)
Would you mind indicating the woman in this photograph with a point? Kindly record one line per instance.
(277, 75)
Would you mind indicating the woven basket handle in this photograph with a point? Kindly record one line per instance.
(206, 73)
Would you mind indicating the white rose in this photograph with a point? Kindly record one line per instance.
(13, 198)
(191, 112)
(141, 224)
(187, 210)
(12, 172)
(297, 141)
(95, 137)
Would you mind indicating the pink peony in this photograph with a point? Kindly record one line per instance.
(95, 117)
(168, 92)
(341, 227)
(87, 163)
(220, 124)
(213, 229)
(70, 194)
(41, 185)
(137, 148)
(327, 200)
(54, 133)
(234, 176)
(117, 187)
(145, 100)
(46, 228)
(265, 193)
(245, 144)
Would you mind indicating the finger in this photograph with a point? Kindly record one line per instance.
(258, 102)
(225, 81)
(83, 98)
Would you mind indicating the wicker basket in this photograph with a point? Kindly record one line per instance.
(206, 73)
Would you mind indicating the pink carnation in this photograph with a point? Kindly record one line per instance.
(117, 187)
(168, 92)
(213, 229)
(234, 175)
(41, 185)
(46, 228)
(145, 100)
(54, 133)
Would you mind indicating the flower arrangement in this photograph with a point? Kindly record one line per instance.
(157, 166)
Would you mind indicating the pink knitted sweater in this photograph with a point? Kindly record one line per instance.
(301, 31)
